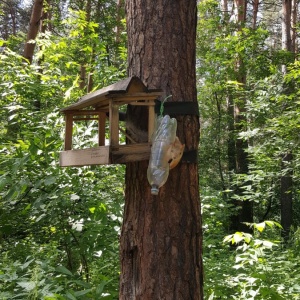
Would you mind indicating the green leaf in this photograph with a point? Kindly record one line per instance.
(70, 296)
(64, 270)
(100, 288)
(4, 180)
(227, 238)
(27, 285)
(92, 209)
(25, 265)
(260, 226)
(81, 293)
(268, 244)
(12, 193)
(272, 223)
(237, 237)
(49, 180)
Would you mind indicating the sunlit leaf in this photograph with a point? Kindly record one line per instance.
(64, 270)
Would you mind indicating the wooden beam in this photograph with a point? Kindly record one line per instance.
(69, 132)
(151, 122)
(136, 103)
(84, 112)
(130, 153)
(101, 128)
(113, 123)
(85, 119)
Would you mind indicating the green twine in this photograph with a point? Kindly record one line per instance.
(161, 111)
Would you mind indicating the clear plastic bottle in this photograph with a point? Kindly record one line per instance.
(162, 141)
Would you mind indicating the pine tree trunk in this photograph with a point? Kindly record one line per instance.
(161, 235)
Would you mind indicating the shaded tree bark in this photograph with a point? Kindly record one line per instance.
(286, 182)
(237, 148)
(294, 13)
(161, 235)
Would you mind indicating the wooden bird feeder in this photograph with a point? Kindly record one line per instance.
(103, 104)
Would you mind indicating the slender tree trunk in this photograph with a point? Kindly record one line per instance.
(237, 148)
(34, 27)
(286, 195)
(286, 25)
(286, 186)
(161, 235)
(294, 13)
(218, 141)
(13, 19)
(86, 78)
(240, 12)
(43, 23)
(255, 13)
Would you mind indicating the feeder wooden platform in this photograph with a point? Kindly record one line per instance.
(97, 106)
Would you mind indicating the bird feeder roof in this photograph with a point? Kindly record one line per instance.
(129, 87)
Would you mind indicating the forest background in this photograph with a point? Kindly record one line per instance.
(60, 227)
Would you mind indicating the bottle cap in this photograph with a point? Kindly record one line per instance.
(154, 190)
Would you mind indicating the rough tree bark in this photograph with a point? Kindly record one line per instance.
(161, 235)
(34, 27)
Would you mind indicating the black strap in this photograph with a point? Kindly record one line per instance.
(178, 108)
(190, 156)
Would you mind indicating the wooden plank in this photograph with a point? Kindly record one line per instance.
(136, 103)
(68, 131)
(151, 122)
(85, 112)
(85, 119)
(101, 129)
(101, 155)
(131, 149)
(129, 99)
(113, 123)
(130, 153)
(85, 157)
(137, 96)
(102, 106)
(126, 158)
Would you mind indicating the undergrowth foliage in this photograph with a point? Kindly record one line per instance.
(247, 266)
(59, 228)
(259, 264)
